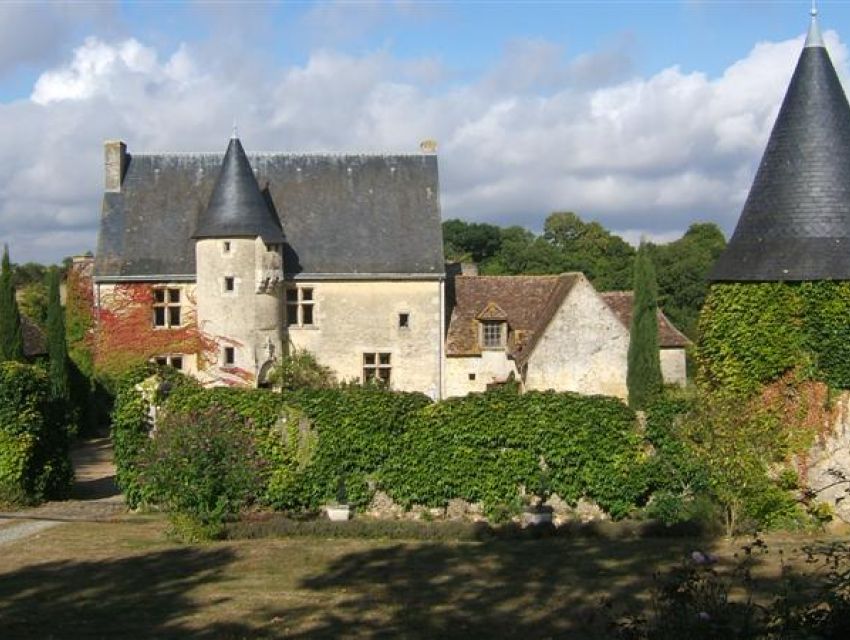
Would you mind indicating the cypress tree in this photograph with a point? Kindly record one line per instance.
(643, 378)
(11, 334)
(57, 349)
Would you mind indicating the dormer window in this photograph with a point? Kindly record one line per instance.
(493, 334)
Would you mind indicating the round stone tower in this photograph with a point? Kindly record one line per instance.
(239, 263)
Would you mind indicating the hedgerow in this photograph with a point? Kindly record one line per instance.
(34, 460)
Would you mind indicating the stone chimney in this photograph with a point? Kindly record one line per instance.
(115, 163)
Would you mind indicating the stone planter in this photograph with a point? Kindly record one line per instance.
(535, 516)
(338, 512)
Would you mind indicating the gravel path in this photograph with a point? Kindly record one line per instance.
(94, 498)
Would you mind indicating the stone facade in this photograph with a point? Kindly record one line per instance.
(583, 349)
(351, 319)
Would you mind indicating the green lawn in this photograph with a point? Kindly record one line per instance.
(107, 580)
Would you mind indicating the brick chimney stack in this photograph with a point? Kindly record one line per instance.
(115, 163)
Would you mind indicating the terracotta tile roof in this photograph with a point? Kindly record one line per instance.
(35, 342)
(527, 303)
(621, 302)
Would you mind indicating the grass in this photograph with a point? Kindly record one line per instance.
(125, 579)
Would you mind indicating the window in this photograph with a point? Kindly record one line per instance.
(229, 356)
(166, 307)
(173, 361)
(404, 321)
(229, 283)
(225, 246)
(299, 307)
(492, 335)
(472, 376)
(376, 367)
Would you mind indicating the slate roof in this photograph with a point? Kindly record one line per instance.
(527, 302)
(795, 224)
(237, 208)
(622, 303)
(343, 216)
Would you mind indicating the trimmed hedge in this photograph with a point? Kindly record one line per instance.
(752, 333)
(34, 461)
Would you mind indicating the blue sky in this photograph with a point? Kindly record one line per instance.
(646, 116)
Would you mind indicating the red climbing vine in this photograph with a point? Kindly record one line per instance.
(126, 334)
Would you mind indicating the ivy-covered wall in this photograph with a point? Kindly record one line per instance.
(481, 448)
(752, 333)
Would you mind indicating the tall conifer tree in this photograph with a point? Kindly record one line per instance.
(11, 334)
(644, 362)
(57, 348)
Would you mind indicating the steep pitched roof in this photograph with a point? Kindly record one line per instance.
(237, 208)
(795, 224)
(622, 303)
(527, 302)
(343, 215)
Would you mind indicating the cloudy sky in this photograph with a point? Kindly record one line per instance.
(646, 116)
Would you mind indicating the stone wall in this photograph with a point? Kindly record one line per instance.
(827, 467)
(584, 348)
(352, 318)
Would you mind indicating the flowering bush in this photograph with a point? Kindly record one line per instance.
(203, 467)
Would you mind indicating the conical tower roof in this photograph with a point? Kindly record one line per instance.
(237, 208)
(795, 224)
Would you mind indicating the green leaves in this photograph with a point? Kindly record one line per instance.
(34, 460)
(752, 333)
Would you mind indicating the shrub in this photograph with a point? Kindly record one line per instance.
(135, 399)
(203, 467)
(34, 460)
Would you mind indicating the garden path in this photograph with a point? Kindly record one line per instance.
(94, 497)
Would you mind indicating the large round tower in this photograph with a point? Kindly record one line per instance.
(780, 293)
(239, 261)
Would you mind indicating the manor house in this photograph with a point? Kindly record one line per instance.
(224, 262)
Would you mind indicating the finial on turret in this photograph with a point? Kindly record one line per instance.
(814, 38)
(235, 134)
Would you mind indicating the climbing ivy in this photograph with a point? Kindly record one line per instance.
(752, 333)
(485, 447)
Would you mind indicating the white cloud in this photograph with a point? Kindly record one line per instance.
(645, 155)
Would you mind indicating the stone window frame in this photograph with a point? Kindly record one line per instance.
(234, 281)
(176, 360)
(167, 301)
(227, 248)
(300, 303)
(492, 334)
(228, 356)
(377, 365)
(404, 320)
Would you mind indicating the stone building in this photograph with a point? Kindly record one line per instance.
(233, 259)
(795, 224)
(546, 332)
(219, 264)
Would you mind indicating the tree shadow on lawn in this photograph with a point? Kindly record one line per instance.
(531, 589)
(144, 596)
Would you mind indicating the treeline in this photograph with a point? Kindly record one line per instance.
(570, 244)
